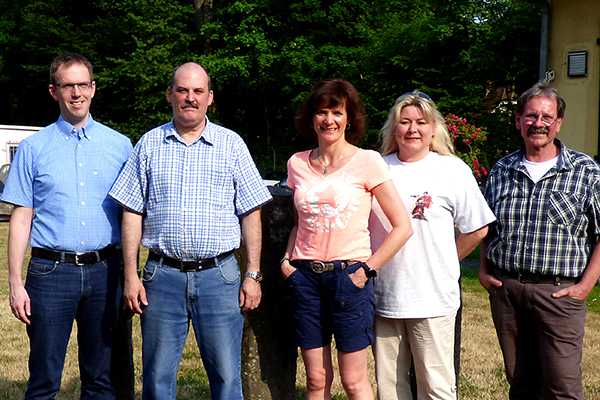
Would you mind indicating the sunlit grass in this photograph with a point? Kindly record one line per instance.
(482, 376)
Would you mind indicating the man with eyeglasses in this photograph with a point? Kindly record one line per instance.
(59, 183)
(540, 259)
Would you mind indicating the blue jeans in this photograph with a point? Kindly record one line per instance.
(210, 299)
(61, 293)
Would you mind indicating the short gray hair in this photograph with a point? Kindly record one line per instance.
(542, 89)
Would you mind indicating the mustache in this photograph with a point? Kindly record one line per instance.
(532, 130)
(190, 104)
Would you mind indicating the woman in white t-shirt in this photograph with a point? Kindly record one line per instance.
(417, 293)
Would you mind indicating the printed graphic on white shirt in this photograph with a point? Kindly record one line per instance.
(422, 203)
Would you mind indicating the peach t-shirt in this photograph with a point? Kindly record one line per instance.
(333, 210)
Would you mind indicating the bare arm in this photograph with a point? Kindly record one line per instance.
(394, 210)
(467, 242)
(589, 279)
(131, 235)
(250, 292)
(286, 268)
(486, 279)
(18, 237)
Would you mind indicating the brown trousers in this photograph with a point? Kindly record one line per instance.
(541, 339)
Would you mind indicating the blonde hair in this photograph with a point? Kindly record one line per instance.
(441, 143)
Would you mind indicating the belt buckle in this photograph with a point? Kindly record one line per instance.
(317, 266)
(77, 261)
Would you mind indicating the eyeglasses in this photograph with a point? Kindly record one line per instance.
(546, 119)
(417, 93)
(70, 87)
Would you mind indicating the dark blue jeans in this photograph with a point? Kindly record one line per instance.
(61, 293)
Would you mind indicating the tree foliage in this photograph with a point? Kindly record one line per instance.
(265, 55)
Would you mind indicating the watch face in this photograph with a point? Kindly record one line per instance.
(256, 275)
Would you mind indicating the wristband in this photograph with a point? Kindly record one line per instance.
(369, 272)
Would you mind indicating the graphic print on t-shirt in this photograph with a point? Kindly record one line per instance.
(423, 201)
(330, 204)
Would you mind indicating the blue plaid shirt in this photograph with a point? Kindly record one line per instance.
(549, 227)
(64, 174)
(191, 195)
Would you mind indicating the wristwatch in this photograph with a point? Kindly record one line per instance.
(369, 272)
(256, 275)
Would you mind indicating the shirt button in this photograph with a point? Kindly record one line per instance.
(81, 164)
(82, 242)
(81, 184)
(82, 223)
(95, 172)
(83, 203)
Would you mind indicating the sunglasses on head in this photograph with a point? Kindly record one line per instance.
(417, 93)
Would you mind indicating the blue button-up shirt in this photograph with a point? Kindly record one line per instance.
(65, 174)
(191, 194)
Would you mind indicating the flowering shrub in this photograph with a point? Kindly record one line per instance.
(469, 143)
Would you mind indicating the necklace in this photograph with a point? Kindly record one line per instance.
(324, 165)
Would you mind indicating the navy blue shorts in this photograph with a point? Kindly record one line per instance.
(329, 303)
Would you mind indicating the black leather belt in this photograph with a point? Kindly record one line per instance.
(71, 257)
(190, 266)
(531, 277)
(319, 267)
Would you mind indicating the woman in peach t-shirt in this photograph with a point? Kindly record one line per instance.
(328, 261)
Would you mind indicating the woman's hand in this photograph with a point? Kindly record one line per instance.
(359, 278)
(286, 268)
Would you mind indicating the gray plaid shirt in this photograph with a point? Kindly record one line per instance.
(549, 227)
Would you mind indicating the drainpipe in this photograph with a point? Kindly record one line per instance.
(544, 39)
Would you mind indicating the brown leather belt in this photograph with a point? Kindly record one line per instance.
(319, 267)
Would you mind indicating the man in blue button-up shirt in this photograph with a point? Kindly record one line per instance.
(191, 191)
(58, 183)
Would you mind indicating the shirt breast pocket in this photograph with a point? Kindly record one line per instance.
(564, 208)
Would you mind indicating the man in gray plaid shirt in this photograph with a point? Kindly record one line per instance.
(540, 260)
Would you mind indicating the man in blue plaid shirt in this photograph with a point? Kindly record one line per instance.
(540, 260)
(190, 192)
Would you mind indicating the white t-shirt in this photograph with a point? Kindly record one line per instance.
(537, 170)
(439, 193)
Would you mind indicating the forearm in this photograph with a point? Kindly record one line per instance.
(592, 272)
(131, 235)
(467, 242)
(18, 238)
(252, 237)
(394, 210)
(390, 246)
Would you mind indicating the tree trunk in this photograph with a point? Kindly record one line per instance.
(268, 350)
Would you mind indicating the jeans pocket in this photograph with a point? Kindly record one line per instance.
(345, 276)
(41, 267)
(150, 272)
(229, 270)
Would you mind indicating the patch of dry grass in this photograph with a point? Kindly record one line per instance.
(482, 375)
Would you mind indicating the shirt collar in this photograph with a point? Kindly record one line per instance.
(208, 135)
(67, 129)
(563, 163)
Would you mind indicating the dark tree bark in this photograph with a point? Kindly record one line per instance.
(268, 351)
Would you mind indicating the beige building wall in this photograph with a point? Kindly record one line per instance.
(575, 26)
